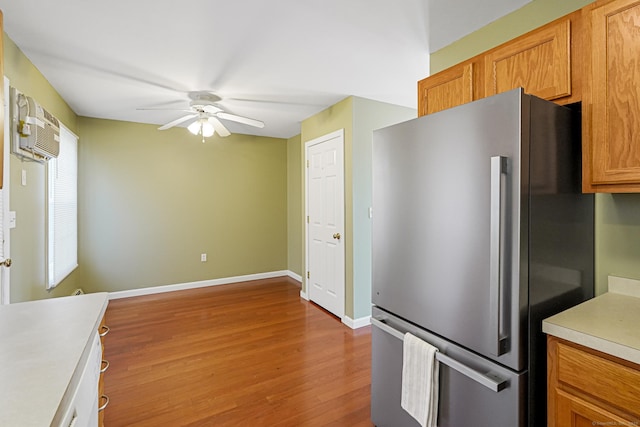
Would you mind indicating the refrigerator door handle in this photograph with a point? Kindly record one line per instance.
(492, 382)
(499, 166)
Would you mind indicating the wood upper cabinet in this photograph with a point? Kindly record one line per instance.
(449, 88)
(587, 388)
(539, 62)
(591, 55)
(611, 105)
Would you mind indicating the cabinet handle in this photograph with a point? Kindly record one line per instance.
(104, 330)
(488, 380)
(106, 399)
(105, 363)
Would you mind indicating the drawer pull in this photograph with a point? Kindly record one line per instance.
(106, 402)
(104, 330)
(105, 364)
(492, 382)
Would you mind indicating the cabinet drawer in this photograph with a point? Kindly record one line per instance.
(575, 412)
(599, 377)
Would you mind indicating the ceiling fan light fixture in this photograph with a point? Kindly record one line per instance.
(207, 115)
(207, 129)
(194, 127)
(201, 127)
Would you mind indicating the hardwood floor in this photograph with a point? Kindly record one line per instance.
(250, 354)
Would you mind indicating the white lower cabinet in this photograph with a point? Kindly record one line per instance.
(82, 410)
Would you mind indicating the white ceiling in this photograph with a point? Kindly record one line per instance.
(451, 20)
(279, 61)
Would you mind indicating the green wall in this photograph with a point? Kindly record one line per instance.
(27, 239)
(368, 115)
(151, 202)
(295, 225)
(25, 77)
(358, 117)
(617, 228)
(617, 237)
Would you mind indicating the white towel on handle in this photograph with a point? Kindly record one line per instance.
(420, 380)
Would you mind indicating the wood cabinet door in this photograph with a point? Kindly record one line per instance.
(612, 94)
(447, 89)
(571, 411)
(539, 61)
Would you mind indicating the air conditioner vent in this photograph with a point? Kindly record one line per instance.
(39, 130)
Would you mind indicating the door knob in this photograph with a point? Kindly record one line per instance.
(336, 236)
(6, 263)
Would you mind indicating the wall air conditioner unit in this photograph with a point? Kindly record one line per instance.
(38, 130)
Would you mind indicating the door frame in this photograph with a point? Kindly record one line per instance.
(5, 285)
(307, 145)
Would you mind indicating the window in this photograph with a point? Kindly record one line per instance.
(62, 210)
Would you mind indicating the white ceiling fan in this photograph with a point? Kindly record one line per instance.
(205, 116)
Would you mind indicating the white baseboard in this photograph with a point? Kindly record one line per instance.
(304, 295)
(195, 285)
(294, 276)
(357, 323)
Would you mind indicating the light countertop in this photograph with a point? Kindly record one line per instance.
(41, 344)
(609, 323)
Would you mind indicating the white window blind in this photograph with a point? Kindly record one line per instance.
(62, 210)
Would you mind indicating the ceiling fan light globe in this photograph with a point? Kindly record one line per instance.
(194, 127)
(207, 129)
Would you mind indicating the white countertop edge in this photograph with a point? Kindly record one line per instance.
(558, 325)
(593, 342)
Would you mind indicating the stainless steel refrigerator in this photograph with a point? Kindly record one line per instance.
(480, 231)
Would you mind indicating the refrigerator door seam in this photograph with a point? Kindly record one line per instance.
(493, 383)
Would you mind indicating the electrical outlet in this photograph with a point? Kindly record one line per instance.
(203, 257)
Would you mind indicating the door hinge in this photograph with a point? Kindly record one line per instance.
(307, 163)
(308, 275)
(307, 219)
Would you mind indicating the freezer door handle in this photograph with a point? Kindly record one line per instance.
(489, 380)
(499, 166)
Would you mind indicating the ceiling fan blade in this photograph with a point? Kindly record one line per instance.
(240, 119)
(178, 121)
(186, 110)
(219, 127)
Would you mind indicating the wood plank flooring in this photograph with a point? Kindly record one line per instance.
(248, 354)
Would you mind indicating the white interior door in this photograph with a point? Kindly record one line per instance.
(325, 222)
(4, 205)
